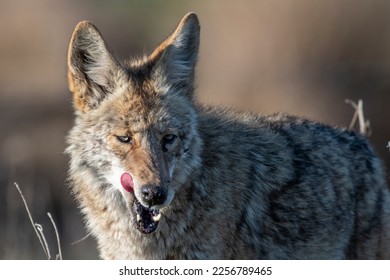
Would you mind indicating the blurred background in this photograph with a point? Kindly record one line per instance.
(301, 57)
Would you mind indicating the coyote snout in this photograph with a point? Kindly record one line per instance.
(154, 195)
(144, 203)
(150, 165)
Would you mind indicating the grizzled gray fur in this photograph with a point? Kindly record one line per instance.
(159, 176)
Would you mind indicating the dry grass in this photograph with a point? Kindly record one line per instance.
(358, 117)
(39, 230)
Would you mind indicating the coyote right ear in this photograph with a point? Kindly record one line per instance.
(90, 67)
(175, 59)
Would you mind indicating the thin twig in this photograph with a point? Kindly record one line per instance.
(31, 220)
(82, 239)
(364, 125)
(57, 236)
(40, 230)
(355, 115)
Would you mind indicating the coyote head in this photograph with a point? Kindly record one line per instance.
(135, 122)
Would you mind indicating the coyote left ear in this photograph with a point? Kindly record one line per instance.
(175, 59)
(91, 67)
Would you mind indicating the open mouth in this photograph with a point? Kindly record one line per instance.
(147, 219)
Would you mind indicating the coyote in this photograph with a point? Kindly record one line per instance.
(160, 176)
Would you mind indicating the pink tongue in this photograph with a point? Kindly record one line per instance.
(127, 182)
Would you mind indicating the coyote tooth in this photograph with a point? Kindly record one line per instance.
(156, 218)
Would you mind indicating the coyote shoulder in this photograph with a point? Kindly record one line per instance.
(160, 176)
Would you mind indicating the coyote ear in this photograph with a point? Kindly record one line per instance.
(90, 67)
(175, 59)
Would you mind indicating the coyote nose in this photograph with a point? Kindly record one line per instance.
(154, 195)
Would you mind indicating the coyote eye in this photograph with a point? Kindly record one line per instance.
(124, 139)
(169, 138)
